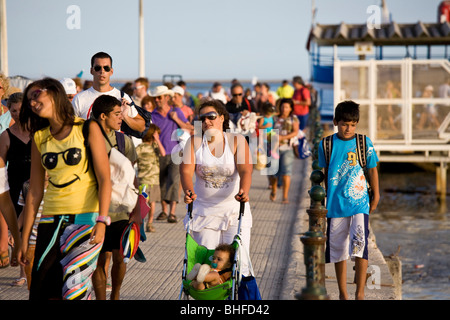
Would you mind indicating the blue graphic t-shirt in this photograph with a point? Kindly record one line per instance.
(347, 188)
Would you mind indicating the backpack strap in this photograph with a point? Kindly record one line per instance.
(361, 149)
(85, 131)
(248, 105)
(327, 144)
(120, 139)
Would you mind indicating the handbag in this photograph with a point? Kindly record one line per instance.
(303, 149)
(248, 289)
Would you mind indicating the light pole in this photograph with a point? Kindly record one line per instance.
(141, 40)
(3, 40)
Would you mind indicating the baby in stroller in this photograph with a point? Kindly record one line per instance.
(205, 276)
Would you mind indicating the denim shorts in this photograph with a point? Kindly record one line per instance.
(285, 162)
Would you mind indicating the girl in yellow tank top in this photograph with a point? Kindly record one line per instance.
(74, 217)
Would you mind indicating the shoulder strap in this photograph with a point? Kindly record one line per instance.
(327, 144)
(120, 138)
(248, 105)
(221, 272)
(85, 131)
(361, 148)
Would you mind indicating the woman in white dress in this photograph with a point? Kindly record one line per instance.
(221, 163)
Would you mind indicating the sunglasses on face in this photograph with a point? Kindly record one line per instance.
(36, 93)
(71, 157)
(98, 68)
(237, 94)
(210, 116)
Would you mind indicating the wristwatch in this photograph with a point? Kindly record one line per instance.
(105, 219)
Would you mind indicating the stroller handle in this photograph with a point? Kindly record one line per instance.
(191, 205)
(241, 210)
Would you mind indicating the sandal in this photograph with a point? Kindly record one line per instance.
(19, 282)
(4, 256)
(273, 196)
(162, 216)
(172, 218)
(285, 201)
(150, 228)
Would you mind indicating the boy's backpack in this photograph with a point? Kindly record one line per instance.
(124, 195)
(361, 149)
(147, 116)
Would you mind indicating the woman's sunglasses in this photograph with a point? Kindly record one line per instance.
(36, 93)
(106, 68)
(210, 116)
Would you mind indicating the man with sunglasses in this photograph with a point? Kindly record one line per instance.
(101, 70)
(238, 102)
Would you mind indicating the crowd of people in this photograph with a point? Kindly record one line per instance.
(50, 169)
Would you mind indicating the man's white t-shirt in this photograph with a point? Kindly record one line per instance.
(82, 102)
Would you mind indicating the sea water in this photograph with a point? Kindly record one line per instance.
(203, 87)
(410, 218)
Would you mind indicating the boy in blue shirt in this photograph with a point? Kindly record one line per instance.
(348, 201)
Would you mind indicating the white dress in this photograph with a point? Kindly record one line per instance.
(216, 184)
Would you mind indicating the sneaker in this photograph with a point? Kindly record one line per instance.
(162, 216)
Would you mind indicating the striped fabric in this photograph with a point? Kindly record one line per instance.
(79, 262)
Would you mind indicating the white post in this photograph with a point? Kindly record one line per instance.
(3, 40)
(141, 41)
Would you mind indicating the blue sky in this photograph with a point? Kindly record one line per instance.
(199, 39)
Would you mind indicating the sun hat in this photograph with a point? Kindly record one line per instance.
(178, 89)
(69, 85)
(160, 91)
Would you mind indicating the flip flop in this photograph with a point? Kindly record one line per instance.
(4, 256)
(273, 196)
(19, 282)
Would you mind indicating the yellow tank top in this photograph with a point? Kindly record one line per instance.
(72, 187)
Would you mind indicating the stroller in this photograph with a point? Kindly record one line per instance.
(195, 253)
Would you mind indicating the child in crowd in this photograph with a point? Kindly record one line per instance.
(148, 153)
(205, 276)
(107, 111)
(246, 124)
(348, 201)
(266, 123)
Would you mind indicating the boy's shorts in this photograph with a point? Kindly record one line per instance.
(113, 235)
(4, 185)
(347, 237)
